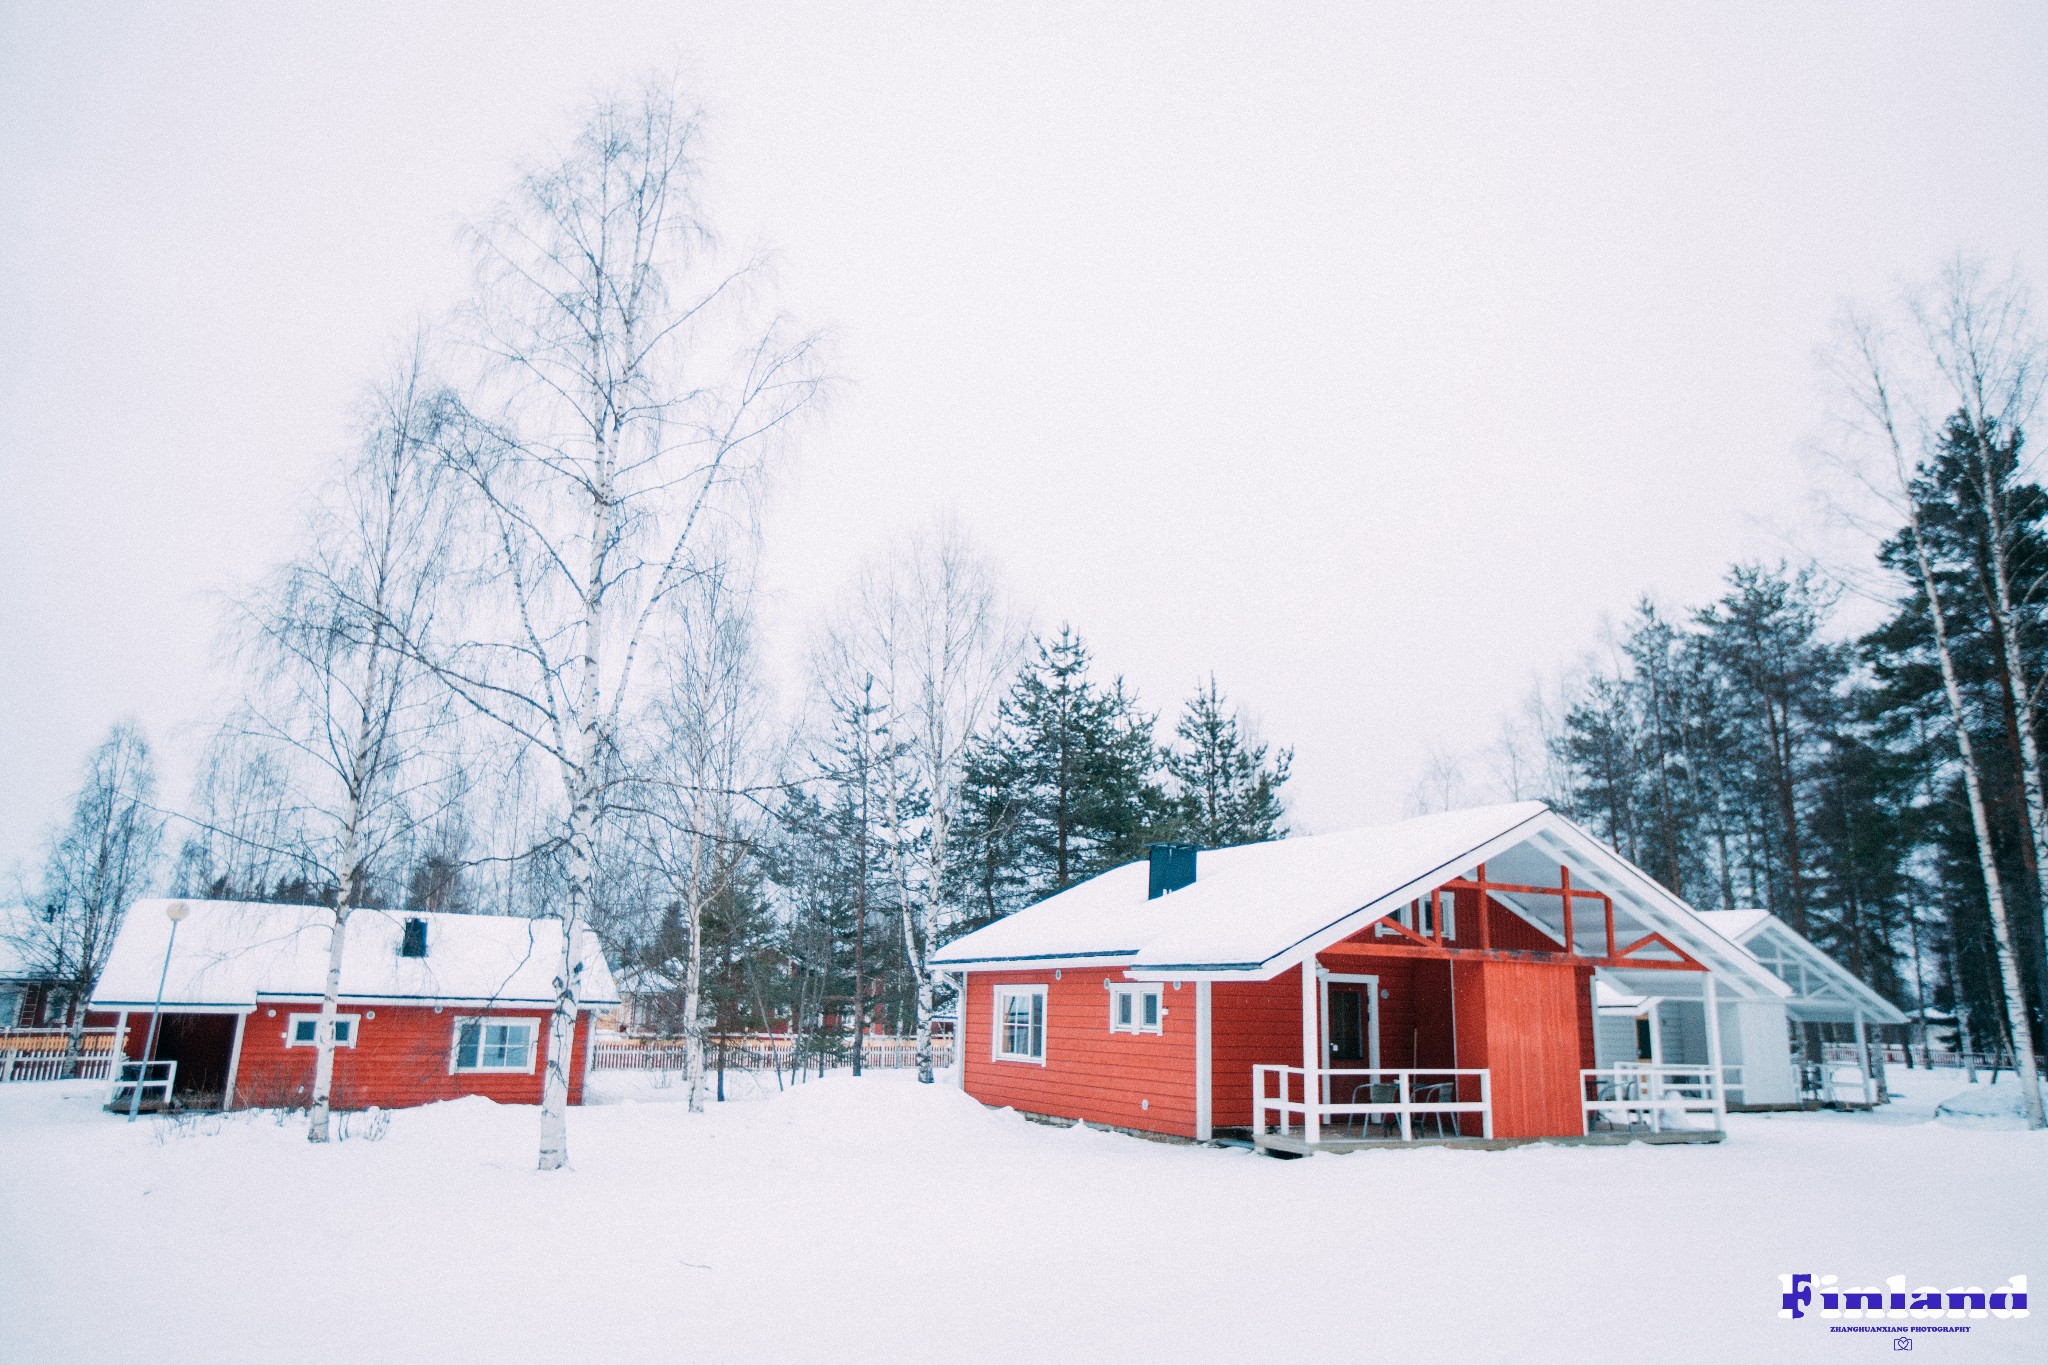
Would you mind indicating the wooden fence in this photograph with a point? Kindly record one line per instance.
(38, 1054)
(763, 1052)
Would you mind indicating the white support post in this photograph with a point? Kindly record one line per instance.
(227, 1095)
(1720, 1090)
(117, 1049)
(960, 1034)
(1407, 1130)
(1863, 1061)
(1205, 1116)
(1311, 1049)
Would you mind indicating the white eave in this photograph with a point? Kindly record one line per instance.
(1260, 909)
(1818, 988)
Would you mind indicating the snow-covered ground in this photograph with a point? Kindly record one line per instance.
(877, 1220)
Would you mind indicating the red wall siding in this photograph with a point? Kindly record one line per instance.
(1089, 1072)
(1528, 1030)
(1252, 1023)
(401, 1058)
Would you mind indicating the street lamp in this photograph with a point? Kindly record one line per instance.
(177, 910)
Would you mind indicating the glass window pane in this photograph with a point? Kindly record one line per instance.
(341, 1030)
(307, 1030)
(1151, 1009)
(466, 1046)
(1123, 1007)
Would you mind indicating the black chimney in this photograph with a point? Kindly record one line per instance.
(415, 942)
(1173, 866)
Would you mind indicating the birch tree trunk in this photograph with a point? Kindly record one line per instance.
(330, 999)
(1980, 824)
(2008, 961)
(1872, 389)
(629, 385)
(693, 979)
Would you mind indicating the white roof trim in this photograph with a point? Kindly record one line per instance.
(1267, 907)
(1819, 989)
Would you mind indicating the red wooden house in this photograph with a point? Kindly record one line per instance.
(1431, 979)
(432, 1006)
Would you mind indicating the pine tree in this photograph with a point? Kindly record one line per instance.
(1224, 790)
(1063, 787)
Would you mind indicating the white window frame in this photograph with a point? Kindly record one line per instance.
(1418, 918)
(1137, 993)
(291, 1030)
(1003, 996)
(482, 1021)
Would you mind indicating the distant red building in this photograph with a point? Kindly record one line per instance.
(432, 1006)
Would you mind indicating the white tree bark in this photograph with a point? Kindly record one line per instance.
(1874, 394)
(1983, 345)
(336, 701)
(926, 622)
(628, 390)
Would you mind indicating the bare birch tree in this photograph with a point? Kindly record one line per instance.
(629, 388)
(100, 860)
(1981, 342)
(1884, 465)
(705, 787)
(336, 693)
(927, 624)
(244, 842)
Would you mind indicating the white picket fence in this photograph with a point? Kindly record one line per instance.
(37, 1054)
(758, 1052)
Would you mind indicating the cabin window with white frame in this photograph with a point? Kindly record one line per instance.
(494, 1044)
(1136, 1009)
(1020, 1024)
(303, 1030)
(1419, 916)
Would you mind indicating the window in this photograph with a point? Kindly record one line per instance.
(1020, 1024)
(1135, 1009)
(494, 1045)
(304, 1031)
(1419, 917)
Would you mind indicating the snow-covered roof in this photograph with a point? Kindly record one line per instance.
(228, 953)
(1255, 910)
(1823, 990)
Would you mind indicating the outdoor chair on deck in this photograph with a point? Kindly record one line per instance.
(1442, 1092)
(1375, 1093)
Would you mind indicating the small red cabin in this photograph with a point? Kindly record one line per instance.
(1427, 980)
(432, 1006)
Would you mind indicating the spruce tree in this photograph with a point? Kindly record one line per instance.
(1224, 789)
(1064, 786)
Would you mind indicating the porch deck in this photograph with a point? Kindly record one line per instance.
(1289, 1144)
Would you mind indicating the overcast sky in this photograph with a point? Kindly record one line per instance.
(1369, 361)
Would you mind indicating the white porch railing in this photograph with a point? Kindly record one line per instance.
(1633, 1097)
(1350, 1101)
(160, 1076)
(1838, 1082)
(38, 1054)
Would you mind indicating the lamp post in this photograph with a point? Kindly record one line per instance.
(177, 910)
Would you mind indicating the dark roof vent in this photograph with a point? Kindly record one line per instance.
(1173, 866)
(414, 944)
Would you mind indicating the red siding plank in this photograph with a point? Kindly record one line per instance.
(401, 1058)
